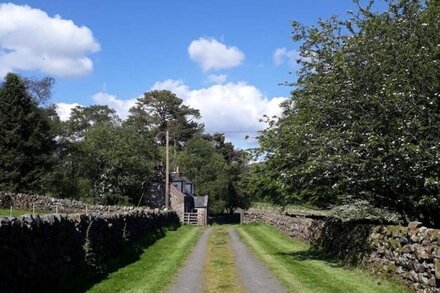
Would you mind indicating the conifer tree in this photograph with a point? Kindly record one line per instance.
(26, 142)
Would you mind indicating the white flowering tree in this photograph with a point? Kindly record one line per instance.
(363, 121)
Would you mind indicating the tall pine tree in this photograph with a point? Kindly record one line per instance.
(26, 143)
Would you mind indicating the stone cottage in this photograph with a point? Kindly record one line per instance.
(192, 209)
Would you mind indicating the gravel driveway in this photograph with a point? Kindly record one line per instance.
(253, 274)
(191, 275)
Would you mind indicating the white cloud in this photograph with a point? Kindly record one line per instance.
(175, 86)
(234, 108)
(64, 110)
(211, 54)
(122, 107)
(282, 55)
(32, 40)
(217, 78)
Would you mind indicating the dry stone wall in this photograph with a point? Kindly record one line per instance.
(306, 229)
(410, 254)
(38, 252)
(48, 204)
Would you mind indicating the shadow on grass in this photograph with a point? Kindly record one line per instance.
(85, 277)
(312, 254)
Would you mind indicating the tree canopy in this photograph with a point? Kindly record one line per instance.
(117, 160)
(205, 163)
(81, 118)
(162, 110)
(364, 115)
(26, 140)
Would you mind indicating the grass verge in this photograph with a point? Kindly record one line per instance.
(156, 267)
(220, 273)
(16, 213)
(150, 270)
(301, 269)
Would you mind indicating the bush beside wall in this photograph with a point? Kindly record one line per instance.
(409, 254)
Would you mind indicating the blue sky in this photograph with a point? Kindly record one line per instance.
(225, 57)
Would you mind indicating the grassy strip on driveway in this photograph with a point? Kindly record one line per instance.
(157, 266)
(301, 269)
(221, 274)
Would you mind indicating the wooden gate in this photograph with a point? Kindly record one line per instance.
(190, 218)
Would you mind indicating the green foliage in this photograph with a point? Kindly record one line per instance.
(26, 141)
(162, 110)
(237, 195)
(263, 184)
(118, 160)
(363, 210)
(212, 175)
(100, 159)
(40, 90)
(82, 118)
(109, 165)
(207, 169)
(363, 119)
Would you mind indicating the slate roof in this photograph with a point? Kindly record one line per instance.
(199, 201)
(178, 177)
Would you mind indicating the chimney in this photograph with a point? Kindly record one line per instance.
(176, 171)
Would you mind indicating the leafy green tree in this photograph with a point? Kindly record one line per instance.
(208, 171)
(226, 149)
(110, 164)
(212, 174)
(237, 160)
(259, 182)
(40, 90)
(364, 118)
(81, 118)
(26, 142)
(68, 177)
(117, 160)
(162, 110)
